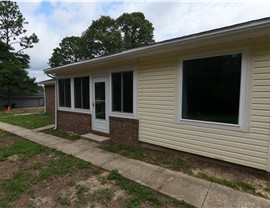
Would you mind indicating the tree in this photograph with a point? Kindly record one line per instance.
(102, 38)
(13, 75)
(107, 36)
(135, 29)
(69, 51)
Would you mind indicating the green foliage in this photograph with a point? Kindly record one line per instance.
(69, 51)
(136, 29)
(13, 76)
(140, 193)
(103, 37)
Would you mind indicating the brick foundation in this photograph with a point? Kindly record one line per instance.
(50, 99)
(79, 123)
(124, 131)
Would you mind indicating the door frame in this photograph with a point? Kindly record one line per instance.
(104, 124)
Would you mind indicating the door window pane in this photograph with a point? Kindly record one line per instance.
(100, 104)
(100, 110)
(211, 88)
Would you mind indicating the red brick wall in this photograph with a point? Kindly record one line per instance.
(124, 131)
(50, 99)
(79, 123)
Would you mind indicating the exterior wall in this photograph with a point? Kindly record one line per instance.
(50, 99)
(28, 102)
(157, 111)
(124, 131)
(79, 123)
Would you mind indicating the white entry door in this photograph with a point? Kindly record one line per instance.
(100, 118)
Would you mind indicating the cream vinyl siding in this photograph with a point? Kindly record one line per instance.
(157, 112)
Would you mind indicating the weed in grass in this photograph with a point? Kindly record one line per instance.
(140, 194)
(63, 200)
(16, 185)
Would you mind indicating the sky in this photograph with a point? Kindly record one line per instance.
(54, 20)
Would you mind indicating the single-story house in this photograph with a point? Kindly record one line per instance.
(24, 100)
(206, 94)
(49, 96)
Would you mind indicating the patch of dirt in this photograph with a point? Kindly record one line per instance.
(7, 168)
(8, 140)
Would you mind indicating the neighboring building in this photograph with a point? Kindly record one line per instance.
(206, 94)
(25, 100)
(49, 96)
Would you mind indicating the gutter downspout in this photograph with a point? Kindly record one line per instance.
(56, 100)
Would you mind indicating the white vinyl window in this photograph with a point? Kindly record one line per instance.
(212, 89)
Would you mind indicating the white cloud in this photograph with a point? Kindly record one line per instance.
(170, 19)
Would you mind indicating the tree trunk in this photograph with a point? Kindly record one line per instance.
(9, 98)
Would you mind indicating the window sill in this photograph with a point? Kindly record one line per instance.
(214, 125)
(123, 115)
(75, 110)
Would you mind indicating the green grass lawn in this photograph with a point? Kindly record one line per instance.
(40, 171)
(62, 134)
(30, 119)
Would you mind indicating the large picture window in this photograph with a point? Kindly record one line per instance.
(122, 92)
(211, 88)
(64, 93)
(81, 92)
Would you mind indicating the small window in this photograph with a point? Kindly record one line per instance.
(211, 89)
(81, 92)
(64, 93)
(122, 92)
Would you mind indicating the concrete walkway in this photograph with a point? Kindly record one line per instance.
(198, 192)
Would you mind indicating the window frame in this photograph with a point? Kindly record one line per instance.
(72, 91)
(242, 121)
(135, 81)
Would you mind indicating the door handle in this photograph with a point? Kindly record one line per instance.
(93, 104)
